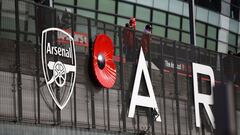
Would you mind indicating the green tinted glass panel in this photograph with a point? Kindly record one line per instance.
(159, 31)
(211, 45)
(159, 17)
(122, 21)
(146, 2)
(125, 9)
(86, 3)
(60, 7)
(143, 13)
(173, 34)
(200, 28)
(86, 13)
(233, 26)
(8, 35)
(176, 6)
(106, 18)
(107, 6)
(232, 39)
(212, 32)
(200, 42)
(69, 2)
(140, 26)
(174, 21)
(185, 24)
(202, 14)
(8, 23)
(186, 38)
(213, 18)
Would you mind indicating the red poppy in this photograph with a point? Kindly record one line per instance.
(103, 65)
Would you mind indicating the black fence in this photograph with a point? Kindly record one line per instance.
(24, 97)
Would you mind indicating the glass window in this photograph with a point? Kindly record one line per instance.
(176, 6)
(159, 17)
(200, 42)
(161, 4)
(222, 47)
(86, 3)
(213, 18)
(107, 6)
(200, 28)
(86, 13)
(143, 13)
(8, 35)
(234, 8)
(68, 2)
(202, 14)
(211, 45)
(224, 22)
(238, 41)
(232, 39)
(173, 34)
(125, 9)
(233, 26)
(173, 21)
(233, 49)
(158, 30)
(185, 9)
(8, 23)
(140, 26)
(185, 38)
(61, 7)
(146, 2)
(223, 35)
(212, 32)
(106, 18)
(122, 21)
(185, 24)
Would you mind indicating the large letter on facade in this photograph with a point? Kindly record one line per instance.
(138, 99)
(206, 100)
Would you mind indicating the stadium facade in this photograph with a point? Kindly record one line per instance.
(192, 89)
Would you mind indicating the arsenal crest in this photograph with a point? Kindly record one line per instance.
(59, 64)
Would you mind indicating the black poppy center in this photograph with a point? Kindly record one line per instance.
(101, 61)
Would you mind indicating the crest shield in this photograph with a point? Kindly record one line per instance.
(59, 64)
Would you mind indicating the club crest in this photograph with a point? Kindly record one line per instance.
(59, 65)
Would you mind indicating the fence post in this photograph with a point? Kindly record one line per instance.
(123, 115)
(91, 87)
(176, 88)
(18, 64)
(37, 54)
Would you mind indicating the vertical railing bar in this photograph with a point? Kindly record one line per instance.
(160, 106)
(18, 63)
(163, 86)
(123, 115)
(37, 54)
(150, 74)
(185, 108)
(108, 110)
(92, 90)
(173, 112)
(189, 98)
(104, 116)
(87, 102)
(58, 93)
(176, 89)
(73, 27)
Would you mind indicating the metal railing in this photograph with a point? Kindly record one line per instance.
(24, 97)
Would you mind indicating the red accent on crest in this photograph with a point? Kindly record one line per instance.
(107, 76)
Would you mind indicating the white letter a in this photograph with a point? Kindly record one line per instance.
(138, 99)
